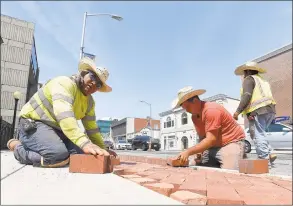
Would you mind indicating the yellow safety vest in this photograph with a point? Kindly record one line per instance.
(59, 104)
(261, 95)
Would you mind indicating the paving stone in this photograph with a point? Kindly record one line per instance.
(118, 172)
(142, 180)
(159, 175)
(162, 188)
(145, 173)
(223, 195)
(175, 179)
(283, 183)
(250, 166)
(130, 176)
(239, 182)
(82, 163)
(174, 162)
(188, 197)
(195, 183)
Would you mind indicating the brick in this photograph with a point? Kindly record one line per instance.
(222, 195)
(130, 176)
(142, 180)
(82, 163)
(145, 173)
(118, 172)
(115, 161)
(174, 162)
(187, 197)
(162, 188)
(239, 183)
(283, 183)
(195, 183)
(175, 179)
(258, 166)
(160, 175)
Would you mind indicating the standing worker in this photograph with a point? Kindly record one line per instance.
(48, 127)
(258, 104)
(222, 138)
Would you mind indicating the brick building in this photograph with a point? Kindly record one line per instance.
(278, 64)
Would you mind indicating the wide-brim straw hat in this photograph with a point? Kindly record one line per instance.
(184, 94)
(249, 66)
(88, 64)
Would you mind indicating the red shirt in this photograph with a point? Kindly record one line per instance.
(215, 116)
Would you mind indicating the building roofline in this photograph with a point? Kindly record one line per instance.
(272, 53)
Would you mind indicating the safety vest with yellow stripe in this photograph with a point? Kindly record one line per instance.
(261, 95)
(59, 104)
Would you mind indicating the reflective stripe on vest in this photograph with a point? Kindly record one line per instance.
(92, 131)
(89, 107)
(49, 106)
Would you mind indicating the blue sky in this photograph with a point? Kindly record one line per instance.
(158, 48)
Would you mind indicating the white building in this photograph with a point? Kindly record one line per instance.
(177, 129)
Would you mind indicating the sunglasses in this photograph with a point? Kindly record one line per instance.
(96, 79)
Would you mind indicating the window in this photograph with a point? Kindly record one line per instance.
(275, 128)
(169, 122)
(184, 118)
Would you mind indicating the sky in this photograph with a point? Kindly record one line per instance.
(158, 48)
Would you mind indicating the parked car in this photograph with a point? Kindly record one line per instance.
(142, 142)
(279, 136)
(122, 144)
(109, 144)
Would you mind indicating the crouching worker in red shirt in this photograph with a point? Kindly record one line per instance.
(222, 138)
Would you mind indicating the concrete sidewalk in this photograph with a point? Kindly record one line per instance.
(39, 186)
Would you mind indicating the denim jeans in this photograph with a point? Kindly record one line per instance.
(257, 129)
(226, 157)
(43, 142)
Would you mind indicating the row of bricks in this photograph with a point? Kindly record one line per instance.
(198, 187)
(100, 164)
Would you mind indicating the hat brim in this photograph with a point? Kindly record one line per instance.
(240, 70)
(85, 66)
(177, 102)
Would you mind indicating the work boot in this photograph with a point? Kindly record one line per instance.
(272, 157)
(12, 143)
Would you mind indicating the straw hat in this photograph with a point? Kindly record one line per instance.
(185, 94)
(88, 64)
(249, 66)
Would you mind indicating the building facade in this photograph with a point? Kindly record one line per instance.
(19, 64)
(278, 64)
(128, 128)
(177, 129)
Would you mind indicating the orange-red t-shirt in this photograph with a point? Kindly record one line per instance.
(215, 116)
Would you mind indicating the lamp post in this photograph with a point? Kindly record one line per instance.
(16, 96)
(150, 122)
(118, 18)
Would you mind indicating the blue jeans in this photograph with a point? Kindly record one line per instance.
(257, 128)
(45, 143)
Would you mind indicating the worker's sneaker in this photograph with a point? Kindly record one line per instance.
(11, 144)
(272, 157)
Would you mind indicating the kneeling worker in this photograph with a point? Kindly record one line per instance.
(222, 138)
(48, 127)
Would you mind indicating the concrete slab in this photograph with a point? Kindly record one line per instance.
(33, 186)
(8, 164)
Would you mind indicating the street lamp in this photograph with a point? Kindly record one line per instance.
(16, 96)
(150, 122)
(118, 18)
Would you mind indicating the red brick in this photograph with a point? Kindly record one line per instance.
(284, 184)
(160, 175)
(222, 195)
(174, 162)
(195, 183)
(142, 180)
(115, 161)
(258, 166)
(162, 188)
(145, 173)
(83, 163)
(118, 172)
(130, 176)
(175, 179)
(187, 197)
(239, 183)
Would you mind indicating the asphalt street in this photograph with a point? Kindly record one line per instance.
(282, 165)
